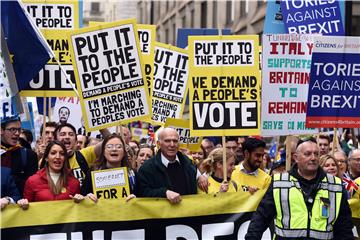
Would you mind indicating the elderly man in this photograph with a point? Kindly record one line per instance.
(306, 203)
(354, 164)
(169, 174)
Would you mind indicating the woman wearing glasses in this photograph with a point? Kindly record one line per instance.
(113, 155)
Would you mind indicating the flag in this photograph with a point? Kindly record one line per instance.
(272, 151)
(28, 47)
(350, 185)
(151, 135)
(40, 104)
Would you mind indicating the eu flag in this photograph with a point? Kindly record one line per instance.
(25, 42)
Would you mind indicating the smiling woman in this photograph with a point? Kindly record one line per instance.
(113, 155)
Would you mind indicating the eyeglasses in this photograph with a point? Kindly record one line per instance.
(113, 146)
(357, 160)
(13, 130)
(340, 161)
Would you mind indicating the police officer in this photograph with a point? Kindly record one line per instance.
(306, 203)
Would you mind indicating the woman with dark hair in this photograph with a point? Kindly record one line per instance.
(113, 155)
(54, 181)
(145, 152)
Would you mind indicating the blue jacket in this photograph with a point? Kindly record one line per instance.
(8, 186)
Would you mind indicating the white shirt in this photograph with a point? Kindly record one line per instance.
(166, 161)
(255, 173)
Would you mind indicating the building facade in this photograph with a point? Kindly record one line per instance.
(108, 10)
(242, 17)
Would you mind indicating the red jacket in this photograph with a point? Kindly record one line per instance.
(37, 188)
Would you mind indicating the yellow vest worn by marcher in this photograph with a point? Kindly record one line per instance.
(293, 220)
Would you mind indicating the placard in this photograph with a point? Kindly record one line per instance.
(285, 82)
(224, 85)
(110, 74)
(170, 83)
(334, 99)
(55, 19)
(110, 183)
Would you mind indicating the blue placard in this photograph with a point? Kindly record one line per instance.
(330, 93)
(323, 17)
(274, 18)
(183, 33)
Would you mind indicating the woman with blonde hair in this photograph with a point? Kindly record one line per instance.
(213, 166)
(329, 165)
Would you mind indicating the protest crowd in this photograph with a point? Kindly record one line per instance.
(151, 141)
(62, 170)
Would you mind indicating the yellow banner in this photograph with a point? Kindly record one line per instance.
(224, 85)
(196, 217)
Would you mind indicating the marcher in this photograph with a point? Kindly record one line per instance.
(46, 135)
(54, 181)
(145, 153)
(169, 174)
(324, 144)
(113, 155)
(329, 165)
(22, 161)
(79, 161)
(213, 166)
(305, 203)
(341, 160)
(248, 175)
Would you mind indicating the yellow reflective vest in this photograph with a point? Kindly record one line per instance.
(293, 220)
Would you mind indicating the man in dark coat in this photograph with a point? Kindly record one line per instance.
(169, 174)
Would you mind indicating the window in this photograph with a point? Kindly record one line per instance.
(203, 14)
(228, 11)
(192, 18)
(215, 15)
(95, 7)
(242, 9)
(167, 35)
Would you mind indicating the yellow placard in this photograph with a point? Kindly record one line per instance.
(170, 84)
(110, 183)
(138, 133)
(110, 74)
(55, 19)
(224, 85)
(185, 139)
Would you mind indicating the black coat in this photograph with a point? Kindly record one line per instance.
(153, 180)
(266, 211)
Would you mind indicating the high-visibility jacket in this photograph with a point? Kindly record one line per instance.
(293, 220)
